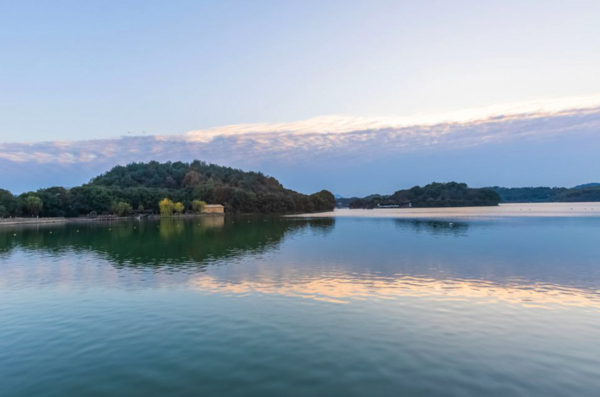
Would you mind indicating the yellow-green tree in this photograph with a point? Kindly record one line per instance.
(179, 208)
(122, 208)
(166, 207)
(198, 206)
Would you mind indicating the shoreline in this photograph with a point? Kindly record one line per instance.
(31, 221)
(48, 221)
(508, 210)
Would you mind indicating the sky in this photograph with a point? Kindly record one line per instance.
(356, 97)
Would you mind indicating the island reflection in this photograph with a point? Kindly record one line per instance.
(171, 242)
(341, 261)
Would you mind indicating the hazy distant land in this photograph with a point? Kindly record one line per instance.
(589, 192)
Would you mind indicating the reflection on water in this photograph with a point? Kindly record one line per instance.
(345, 290)
(269, 306)
(169, 242)
(434, 227)
(542, 262)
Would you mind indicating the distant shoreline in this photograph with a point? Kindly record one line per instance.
(520, 210)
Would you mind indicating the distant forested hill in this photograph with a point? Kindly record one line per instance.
(528, 194)
(144, 185)
(586, 185)
(581, 193)
(458, 194)
(450, 194)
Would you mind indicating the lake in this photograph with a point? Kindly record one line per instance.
(287, 306)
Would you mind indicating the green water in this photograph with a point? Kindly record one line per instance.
(294, 307)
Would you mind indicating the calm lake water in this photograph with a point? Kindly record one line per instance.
(302, 307)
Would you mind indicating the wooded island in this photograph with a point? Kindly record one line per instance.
(185, 186)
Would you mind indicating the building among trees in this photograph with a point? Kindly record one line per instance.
(213, 209)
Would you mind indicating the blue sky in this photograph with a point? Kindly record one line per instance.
(83, 71)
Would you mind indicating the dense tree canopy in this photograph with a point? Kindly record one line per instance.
(122, 208)
(583, 193)
(9, 204)
(144, 185)
(239, 191)
(450, 194)
(529, 194)
(458, 194)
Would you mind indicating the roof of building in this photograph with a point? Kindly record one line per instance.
(213, 205)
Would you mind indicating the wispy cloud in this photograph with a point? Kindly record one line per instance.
(327, 138)
(346, 124)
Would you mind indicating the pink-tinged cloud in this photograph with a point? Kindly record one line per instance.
(322, 142)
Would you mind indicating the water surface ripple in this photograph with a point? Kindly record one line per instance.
(256, 306)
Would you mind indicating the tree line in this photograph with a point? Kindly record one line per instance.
(584, 193)
(459, 194)
(451, 194)
(144, 185)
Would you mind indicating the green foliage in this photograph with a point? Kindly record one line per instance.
(451, 194)
(323, 200)
(582, 193)
(587, 185)
(179, 208)
(145, 185)
(57, 201)
(33, 205)
(122, 208)
(239, 191)
(88, 198)
(198, 206)
(10, 205)
(528, 194)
